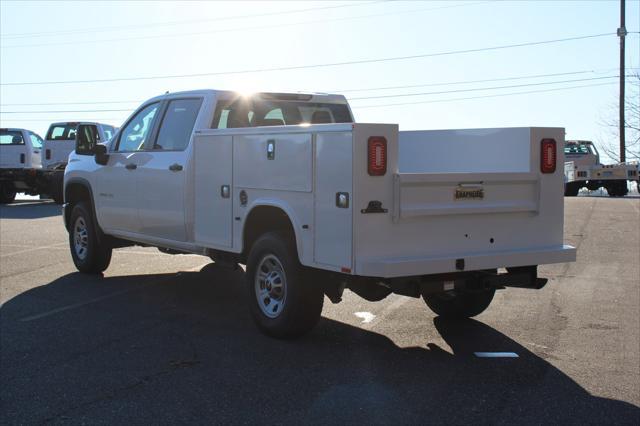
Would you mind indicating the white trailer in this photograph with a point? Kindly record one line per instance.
(314, 203)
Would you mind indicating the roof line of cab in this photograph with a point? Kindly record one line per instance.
(229, 95)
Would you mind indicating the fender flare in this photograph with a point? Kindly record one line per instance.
(286, 208)
(85, 183)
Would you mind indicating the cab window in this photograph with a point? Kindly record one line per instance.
(11, 137)
(109, 131)
(62, 132)
(252, 112)
(137, 130)
(575, 148)
(177, 124)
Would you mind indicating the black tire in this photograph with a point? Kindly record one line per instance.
(7, 193)
(294, 309)
(459, 305)
(94, 257)
(571, 189)
(56, 191)
(617, 189)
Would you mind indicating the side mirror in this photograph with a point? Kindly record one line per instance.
(86, 139)
(101, 155)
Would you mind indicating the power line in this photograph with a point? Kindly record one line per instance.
(75, 103)
(243, 29)
(352, 99)
(476, 89)
(48, 120)
(484, 96)
(191, 21)
(325, 65)
(66, 111)
(396, 104)
(474, 81)
(348, 90)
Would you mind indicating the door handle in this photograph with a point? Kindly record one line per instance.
(175, 167)
(131, 166)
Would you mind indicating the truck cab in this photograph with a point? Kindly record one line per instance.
(60, 141)
(20, 158)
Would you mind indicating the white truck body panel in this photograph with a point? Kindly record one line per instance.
(424, 230)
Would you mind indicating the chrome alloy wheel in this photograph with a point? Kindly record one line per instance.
(80, 238)
(271, 286)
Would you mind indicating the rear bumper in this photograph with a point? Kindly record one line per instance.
(406, 267)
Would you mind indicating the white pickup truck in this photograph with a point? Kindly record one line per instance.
(20, 154)
(313, 203)
(60, 141)
(582, 168)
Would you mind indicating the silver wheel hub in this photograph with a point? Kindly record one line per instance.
(270, 286)
(80, 238)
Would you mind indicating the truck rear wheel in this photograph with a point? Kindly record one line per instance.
(88, 254)
(282, 302)
(7, 193)
(617, 188)
(56, 191)
(571, 189)
(459, 305)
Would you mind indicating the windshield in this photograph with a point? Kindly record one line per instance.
(575, 148)
(62, 132)
(258, 112)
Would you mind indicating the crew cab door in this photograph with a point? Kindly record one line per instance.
(36, 150)
(116, 183)
(162, 175)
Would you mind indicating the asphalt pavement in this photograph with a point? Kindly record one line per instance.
(168, 339)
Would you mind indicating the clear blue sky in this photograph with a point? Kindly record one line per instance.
(62, 41)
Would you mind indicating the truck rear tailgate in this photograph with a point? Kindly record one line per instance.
(458, 200)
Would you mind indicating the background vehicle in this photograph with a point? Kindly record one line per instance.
(60, 141)
(583, 169)
(20, 155)
(314, 203)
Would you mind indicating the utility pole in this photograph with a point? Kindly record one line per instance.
(622, 32)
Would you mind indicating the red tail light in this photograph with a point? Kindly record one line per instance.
(377, 154)
(548, 156)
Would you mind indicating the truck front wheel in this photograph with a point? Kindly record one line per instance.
(459, 305)
(7, 193)
(282, 302)
(89, 255)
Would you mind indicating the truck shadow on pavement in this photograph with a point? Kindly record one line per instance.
(182, 348)
(29, 209)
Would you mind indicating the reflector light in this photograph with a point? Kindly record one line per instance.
(377, 156)
(548, 156)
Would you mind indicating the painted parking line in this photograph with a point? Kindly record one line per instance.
(496, 354)
(366, 317)
(53, 246)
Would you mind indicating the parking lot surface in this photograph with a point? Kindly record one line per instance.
(169, 339)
